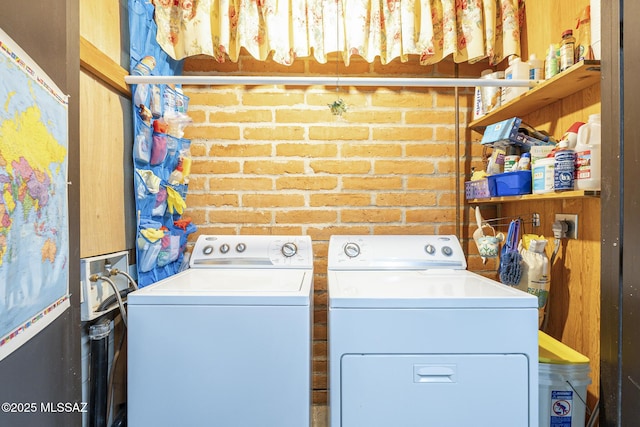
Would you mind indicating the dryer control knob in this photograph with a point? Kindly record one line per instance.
(224, 248)
(241, 247)
(207, 250)
(430, 249)
(352, 250)
(447, 251)
(289, 249)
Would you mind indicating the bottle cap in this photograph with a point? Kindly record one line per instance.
(567, 33)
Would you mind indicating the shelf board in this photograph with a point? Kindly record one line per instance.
(579, 76)
(534, 197)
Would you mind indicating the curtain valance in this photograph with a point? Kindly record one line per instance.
(469, 30)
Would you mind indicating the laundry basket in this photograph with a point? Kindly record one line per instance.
(563, 380)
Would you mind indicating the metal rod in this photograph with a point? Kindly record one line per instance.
(326, 81)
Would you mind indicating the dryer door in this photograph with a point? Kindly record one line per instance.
(435, 390)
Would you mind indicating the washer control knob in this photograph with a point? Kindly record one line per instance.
(289, 249)
(224, 248)
(430, 249)
(207, 250)
(352, 250)
(447, 251)
(241, 247)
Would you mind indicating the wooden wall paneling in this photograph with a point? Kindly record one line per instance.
(574, 300)
(545, 22)
(109, 33)
(106, 170)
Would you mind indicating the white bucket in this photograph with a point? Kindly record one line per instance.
(563, 394)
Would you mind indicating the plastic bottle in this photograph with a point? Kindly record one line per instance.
(176, 176)
(564, 168)
(524, 164)
(511, 159)
(536, 68)
(551, 63)
(583, 36)
(517, 70)
(589, 155)
(567, 50)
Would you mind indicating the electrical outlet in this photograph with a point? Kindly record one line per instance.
(572, 221)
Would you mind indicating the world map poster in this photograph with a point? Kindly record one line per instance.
(34, 230)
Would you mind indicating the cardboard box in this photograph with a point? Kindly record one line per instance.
(507, 132)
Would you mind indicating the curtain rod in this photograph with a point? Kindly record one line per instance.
(327, 81)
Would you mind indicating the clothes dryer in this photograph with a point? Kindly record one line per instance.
(226, 342)
(417, 340)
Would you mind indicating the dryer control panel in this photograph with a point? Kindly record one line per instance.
(395, 252)
(267, 251)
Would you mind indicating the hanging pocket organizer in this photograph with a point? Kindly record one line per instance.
(159, 116)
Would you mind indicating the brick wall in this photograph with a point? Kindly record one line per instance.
(274, 160)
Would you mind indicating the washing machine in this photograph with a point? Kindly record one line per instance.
(415, 339)
(226, 342)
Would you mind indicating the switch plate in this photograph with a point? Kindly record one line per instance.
(572, 221)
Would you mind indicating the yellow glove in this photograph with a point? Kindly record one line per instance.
(152, 234)
(175, 202)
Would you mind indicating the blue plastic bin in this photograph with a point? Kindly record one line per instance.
(510, 183)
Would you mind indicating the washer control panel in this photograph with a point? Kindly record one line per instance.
(398, 252)
(252, 252)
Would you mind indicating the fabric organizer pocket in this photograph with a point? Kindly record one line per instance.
(160, 205)
(147, 185)
(158, 149)
(142, 143)
(170, 249)
(148, 253)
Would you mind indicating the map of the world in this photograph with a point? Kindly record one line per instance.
(34, 248)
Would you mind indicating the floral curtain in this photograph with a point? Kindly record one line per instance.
(469, 30)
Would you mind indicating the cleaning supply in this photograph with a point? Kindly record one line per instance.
(517, 70)
(563, 376)
(175, 202)
(583, 36)
(536, 68)
(542, 175)
(551, 63)
(510, 270)
(511, 159)
(176, 176)
(589, 155)
(564, 168)
(567, 50)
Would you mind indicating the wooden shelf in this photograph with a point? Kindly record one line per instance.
(534, 197)
(579, 76)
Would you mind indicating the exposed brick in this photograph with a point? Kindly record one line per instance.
(431, 215)
(402, 133)
(433, 117)
(214, 166)
(371, 183)
(333, 133)
(371, 150)
(385, 167)
(240, 184)
(340, 199)
(406, 199)
(235, 216)
(209, 199)
(371, 215)
(372, 116)
(212, 132)
(352, 100)
(198, 116)
(341, 166)
(319, 233)
(306, 216)
(263, 99)
(274, 133)
(272, 200)
(307, 183)
(430, 149)
(275, 167)
(431, 183)
(307, 150)
(401, 99)
(241, 116)
(210, 99)
(240, 150)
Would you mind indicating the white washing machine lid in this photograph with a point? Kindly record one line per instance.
(422, 289)
(229, 287)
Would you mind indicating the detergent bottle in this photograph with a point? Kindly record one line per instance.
(589, 155)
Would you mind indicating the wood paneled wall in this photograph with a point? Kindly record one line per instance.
(574, 301)
(106, 196)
